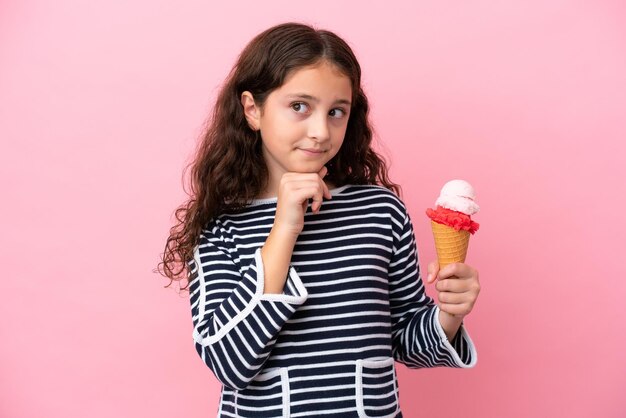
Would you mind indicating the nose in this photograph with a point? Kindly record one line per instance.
(318, 127)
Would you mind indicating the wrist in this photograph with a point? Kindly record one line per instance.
(450, 324)
(284, 234)
(450, 317)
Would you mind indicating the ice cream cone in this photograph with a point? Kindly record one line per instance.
(451, 244)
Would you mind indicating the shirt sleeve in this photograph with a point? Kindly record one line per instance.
(235, 324)
(417, 336)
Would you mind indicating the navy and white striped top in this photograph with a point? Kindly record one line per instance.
(353, 303)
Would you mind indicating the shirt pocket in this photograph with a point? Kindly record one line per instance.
(376, 391)
(266, 396)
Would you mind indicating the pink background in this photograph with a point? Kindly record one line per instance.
(100, 108)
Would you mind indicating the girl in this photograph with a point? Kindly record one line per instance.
(300, 257)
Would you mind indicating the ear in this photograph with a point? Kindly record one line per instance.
(250, 110)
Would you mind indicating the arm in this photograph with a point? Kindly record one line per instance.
(276, 254)
(419, 339)
(235, 322)
(450, 324)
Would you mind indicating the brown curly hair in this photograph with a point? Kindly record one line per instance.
(228, 169)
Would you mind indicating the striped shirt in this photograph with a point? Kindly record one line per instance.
(353, 304)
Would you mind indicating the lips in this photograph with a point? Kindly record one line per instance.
(316, 151)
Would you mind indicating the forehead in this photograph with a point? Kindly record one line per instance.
(322, 80)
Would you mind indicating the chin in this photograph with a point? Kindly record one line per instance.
(308, 168)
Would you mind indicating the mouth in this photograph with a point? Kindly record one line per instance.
(311, 151)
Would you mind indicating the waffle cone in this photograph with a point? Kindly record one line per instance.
(451, 244)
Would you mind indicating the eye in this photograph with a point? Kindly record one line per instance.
(299, 106)
(342, 113)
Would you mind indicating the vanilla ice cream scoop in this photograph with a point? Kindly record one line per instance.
(458, 195)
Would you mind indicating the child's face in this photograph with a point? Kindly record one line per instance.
(309, 111)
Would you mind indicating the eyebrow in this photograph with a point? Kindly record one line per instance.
(315, 99)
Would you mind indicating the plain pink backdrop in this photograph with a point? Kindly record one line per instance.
(100, 107)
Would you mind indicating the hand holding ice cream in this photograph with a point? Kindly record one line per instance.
(451, 222)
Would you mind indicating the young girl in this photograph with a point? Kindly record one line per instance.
(300, 257)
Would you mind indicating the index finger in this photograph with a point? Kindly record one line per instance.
(453, 269)
(322, 173)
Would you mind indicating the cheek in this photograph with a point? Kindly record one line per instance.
(336, 147)
(284, 127)
(339, 134)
